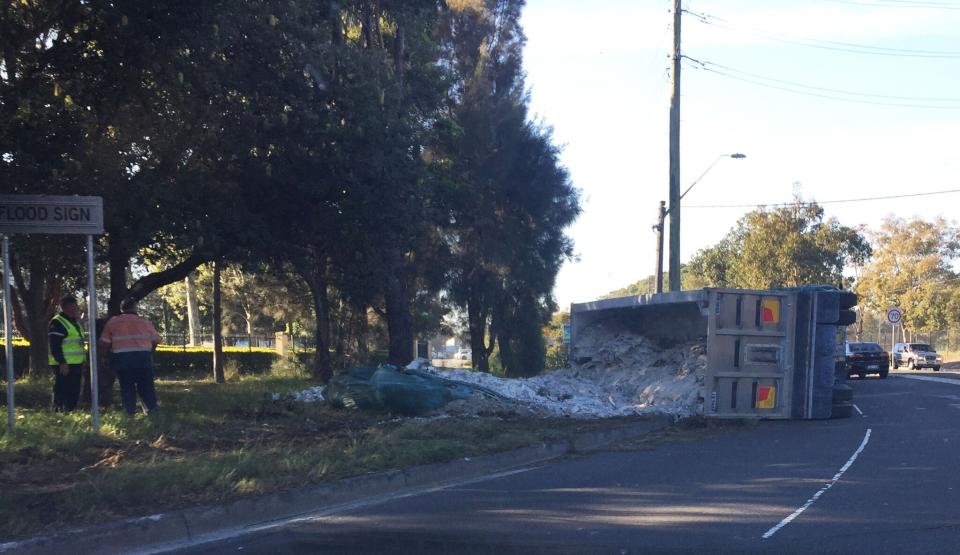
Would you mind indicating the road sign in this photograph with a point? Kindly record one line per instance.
(73, 215)
(894, 315)
(566, 334)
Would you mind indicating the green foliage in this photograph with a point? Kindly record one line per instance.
(199, 364)
(509, 198)
(912, 268)
(382, 151)
(558, 353)
(782, 247)
(21, 359)
(646, 286)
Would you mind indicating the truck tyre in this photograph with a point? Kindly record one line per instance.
(847, 318)
(842, 393)
(913, 364)
(936, 368)
(883, 374)
(844, 410)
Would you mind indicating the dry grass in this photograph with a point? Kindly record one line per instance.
(215, 442)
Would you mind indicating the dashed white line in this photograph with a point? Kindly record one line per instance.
(817, 495)
(858, 410)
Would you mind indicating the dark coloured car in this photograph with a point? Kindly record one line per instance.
(866, 358)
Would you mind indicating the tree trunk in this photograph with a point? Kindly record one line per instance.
(398, 311)
(342, 331)
(399, 53)
(360, 331)
(34, 304)
(502, 332)
(313, 272)
(477, 325)
(193, 310)
(248, 317)
(218, 376)
(119, 260)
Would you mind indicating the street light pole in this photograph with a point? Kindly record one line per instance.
(675, 245)
(735, 156)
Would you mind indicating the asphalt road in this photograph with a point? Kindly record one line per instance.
(884, 481)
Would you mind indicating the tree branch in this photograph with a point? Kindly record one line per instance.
(151, 282)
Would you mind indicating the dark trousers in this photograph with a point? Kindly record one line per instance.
(137, 382)
(66, 389)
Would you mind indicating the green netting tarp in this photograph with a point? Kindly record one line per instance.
(402, 391)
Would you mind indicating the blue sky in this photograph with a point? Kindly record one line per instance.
(597, 73)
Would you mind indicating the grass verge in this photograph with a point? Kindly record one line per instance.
(216, 442)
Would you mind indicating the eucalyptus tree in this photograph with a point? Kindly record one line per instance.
(786, 246)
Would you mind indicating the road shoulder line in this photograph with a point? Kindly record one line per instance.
(931, 379)
(812, 500)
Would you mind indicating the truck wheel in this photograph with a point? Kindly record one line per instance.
(883, 374)
(842, 393)
(913, 364)
(844, 410)
(936, 368)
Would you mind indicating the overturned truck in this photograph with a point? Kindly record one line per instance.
(769, 354)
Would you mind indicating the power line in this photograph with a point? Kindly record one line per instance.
(901, 4)
(826, 96)
(839, 91)
(838, 46)
(812, 202)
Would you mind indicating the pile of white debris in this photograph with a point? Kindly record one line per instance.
(616, 373)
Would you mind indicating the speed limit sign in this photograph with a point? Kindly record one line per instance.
(894, 315)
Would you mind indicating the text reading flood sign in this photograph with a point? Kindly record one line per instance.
(51, 214)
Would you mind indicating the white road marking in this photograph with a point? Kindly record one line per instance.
(320, 514)
(817, 495)
(931, 379)
(858, 410)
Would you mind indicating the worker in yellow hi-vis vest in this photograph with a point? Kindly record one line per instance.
(66, 355)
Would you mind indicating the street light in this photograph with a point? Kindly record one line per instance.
(662, 211)
(735, 156)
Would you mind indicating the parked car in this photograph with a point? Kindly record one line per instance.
(915, 356)
(866, 358)
(464, 354)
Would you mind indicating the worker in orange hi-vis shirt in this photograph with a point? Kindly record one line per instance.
(131, 340)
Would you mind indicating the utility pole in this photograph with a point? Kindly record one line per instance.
(661, 216)
(675, 152)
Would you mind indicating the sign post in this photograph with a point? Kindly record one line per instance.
(7, 336)
(894, 316)
(72, 215)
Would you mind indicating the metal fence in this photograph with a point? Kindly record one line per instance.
(206, 340)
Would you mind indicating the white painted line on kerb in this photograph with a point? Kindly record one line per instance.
(240, 531)
(858, 410)
(932, 379)
(817, 495)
